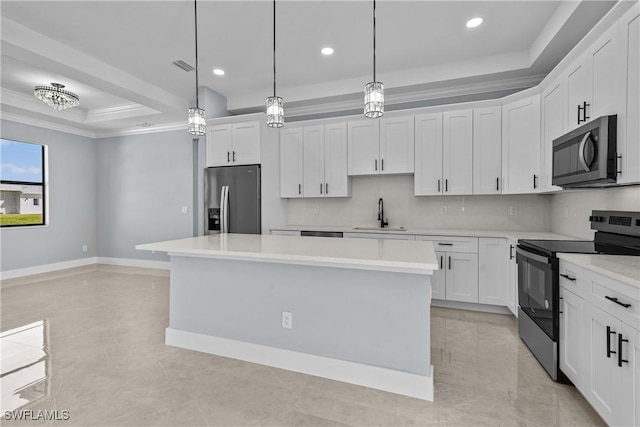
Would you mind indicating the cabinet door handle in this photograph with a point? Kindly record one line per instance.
(498, 184)
(535, 181)
(579, 109)
(299, 188)
(326, 188)
(228, 159)
(617, 302)
(619, 170)
(375, 163)
(449, 262)
(320, 188)
(566, 276)
(445, 244)
(446, 185)
(438, 186)
(510, 251)
(234, 156)
(382, 164)
(620, 359)
(609, 332)
(441, 257)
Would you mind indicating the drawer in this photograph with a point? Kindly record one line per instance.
(572, 277)
(601, 291)
(453, 244)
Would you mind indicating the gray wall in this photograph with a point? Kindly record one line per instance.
(143, 181)
(71, 204)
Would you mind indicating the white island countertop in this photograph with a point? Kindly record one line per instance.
(402, 256)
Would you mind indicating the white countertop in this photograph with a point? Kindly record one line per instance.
(509, 234)
(364, 254)
(625, 269)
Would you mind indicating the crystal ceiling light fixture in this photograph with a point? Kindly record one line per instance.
(374, 91)
(55, 97)
(275, 110)
(196, 121)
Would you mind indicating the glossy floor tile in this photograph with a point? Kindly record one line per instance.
(87, 346)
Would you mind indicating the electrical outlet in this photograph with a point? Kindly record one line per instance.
(443, 210)
(513, 210)
(185, 209)
(287, 320)
(84, 248)
(316, 209)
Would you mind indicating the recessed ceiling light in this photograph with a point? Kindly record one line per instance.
(218, 72)
(327, 51)
(474, 22)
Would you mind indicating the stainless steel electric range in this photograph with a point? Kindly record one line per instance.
(617, 233)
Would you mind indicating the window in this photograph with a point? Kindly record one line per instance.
(22, 184)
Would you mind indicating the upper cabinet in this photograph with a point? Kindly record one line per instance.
(444, 153)
(553, 101)
(521, 145)
(233, 144)
(487, 150)
(629, 114)
(313, 161)
(592, 89)
(384, 146)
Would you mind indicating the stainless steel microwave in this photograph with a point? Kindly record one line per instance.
(586, 156)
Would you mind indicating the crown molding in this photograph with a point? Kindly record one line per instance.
(125, 111)
(17, 118)
(142, 131)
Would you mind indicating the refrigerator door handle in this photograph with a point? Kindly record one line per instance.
(224, 209)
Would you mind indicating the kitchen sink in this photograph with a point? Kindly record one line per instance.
(380, 229)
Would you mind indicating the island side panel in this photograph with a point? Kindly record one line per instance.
(370, 317)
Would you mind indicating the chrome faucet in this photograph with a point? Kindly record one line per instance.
(383, 223)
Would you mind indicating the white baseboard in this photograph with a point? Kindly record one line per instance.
(471, 306)
(130, 262)
(405, 383)
(38, 269)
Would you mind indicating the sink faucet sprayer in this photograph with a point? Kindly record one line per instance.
(383, 223)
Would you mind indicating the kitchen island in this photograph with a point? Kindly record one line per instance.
(353, 310)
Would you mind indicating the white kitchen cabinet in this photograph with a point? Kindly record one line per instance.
(438, 279)
(458, 259)
(444, 153)
(384, 146)
(428, 154)
(313, 161)
(233, 144)
(397, 143)
(592, 89)
(629, 114)
(521, 146)
(487, 150)
(336, 178)
(457, 152)
(572, 343)
(291, 162)
(553, 101)
(629, 413)
(512, 303)
(493, 271)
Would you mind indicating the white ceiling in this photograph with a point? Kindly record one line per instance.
(117, 55)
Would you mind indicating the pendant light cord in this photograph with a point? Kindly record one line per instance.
(195, 12)
(274, 48)
(374, 41)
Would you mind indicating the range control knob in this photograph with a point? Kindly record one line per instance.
(596, 218)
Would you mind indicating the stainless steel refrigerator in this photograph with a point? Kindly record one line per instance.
(232, 199)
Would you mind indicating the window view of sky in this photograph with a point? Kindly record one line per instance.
(20, 161)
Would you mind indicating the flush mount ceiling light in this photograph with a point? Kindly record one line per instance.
(327, 51)
(374, 91)
(218, 71)
(196, 120)
(474, 22)
(275, 110)
(55, 97)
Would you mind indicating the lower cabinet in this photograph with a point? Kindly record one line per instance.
(512, 302)
(493, 271)
(630, 391)
(572, 350)
(461, 277)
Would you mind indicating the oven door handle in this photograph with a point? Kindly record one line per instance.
(533, 256)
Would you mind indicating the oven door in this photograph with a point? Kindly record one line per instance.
(538, 294)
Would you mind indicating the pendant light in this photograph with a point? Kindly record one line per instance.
(374, 91)
(275, 110)
(196, 120)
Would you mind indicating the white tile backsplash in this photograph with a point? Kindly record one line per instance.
(570, 210)
(404, 209)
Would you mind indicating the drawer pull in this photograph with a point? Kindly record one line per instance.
(445, 244)
(617, 302)
(620, 359)
(609, 332)
(566, 276)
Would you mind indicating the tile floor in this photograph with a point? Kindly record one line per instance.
(90, 341)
